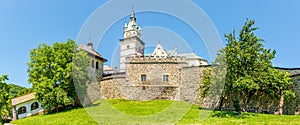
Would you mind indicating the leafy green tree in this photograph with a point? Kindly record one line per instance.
(25, 91)
(249, 70)
(5, 102)
(51, 73)
(16, 90)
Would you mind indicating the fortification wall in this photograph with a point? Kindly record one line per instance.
(115, 86)
(190, 84)
(183, 84)
(112, 86)
(156, 59)
(154, 70)
(292, 106)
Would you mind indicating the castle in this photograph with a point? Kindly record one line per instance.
(161, 74)
(169, 75)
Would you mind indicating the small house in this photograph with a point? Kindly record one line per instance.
(26, 106)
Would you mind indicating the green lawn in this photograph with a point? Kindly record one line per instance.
(153, 112)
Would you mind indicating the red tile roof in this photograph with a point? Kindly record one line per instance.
(23, 98)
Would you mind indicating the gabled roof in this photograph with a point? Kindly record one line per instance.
(91, 51)
(23, 98)
(159, 51)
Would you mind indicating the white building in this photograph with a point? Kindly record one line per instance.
(25, 106)
(193, 59)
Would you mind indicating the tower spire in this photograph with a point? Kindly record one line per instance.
(132, 17)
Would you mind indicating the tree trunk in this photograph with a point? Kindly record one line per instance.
(236, 103)
(221, 102)
(250, 95)
(56, 109)
(281, 102)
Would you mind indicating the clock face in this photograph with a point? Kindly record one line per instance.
(128, 34)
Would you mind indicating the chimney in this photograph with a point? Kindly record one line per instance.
(90, 45)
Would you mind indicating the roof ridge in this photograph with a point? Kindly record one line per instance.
(24, 95)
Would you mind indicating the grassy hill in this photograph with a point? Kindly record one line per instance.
(152, 112)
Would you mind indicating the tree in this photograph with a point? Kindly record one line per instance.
(25, 91)
(249, 70)
(16, 90)
(51, 73)
(5, 102)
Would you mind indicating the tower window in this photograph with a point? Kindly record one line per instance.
(143, 77)
(128, 46)
(165, 78)
(93, 64)
(97, 65)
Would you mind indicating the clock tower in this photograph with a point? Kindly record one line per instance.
(131, 44)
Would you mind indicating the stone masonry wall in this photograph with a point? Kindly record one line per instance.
(113, 86)
(154, 69)
(190, 84)
(183, 84)
(292, 106)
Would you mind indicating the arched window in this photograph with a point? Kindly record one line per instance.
(34, 106)
(22, 110)
(97, 65)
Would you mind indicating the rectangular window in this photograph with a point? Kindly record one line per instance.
(93, 65)
(97, 65)
(143, 78)
(166, 78)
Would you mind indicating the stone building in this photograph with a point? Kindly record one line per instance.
(154, 75)
(96, 60)
(167, 74)
(95, 71)
(292, 106)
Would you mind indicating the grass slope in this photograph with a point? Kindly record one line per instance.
(152, 112)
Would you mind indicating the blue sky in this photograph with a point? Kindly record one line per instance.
(25, 24)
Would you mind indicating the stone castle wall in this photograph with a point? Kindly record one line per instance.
(112, 86)
(116, 87)
(190, 84)
(154, 69)
(130, 85)
(292, 106)
(183, 84)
